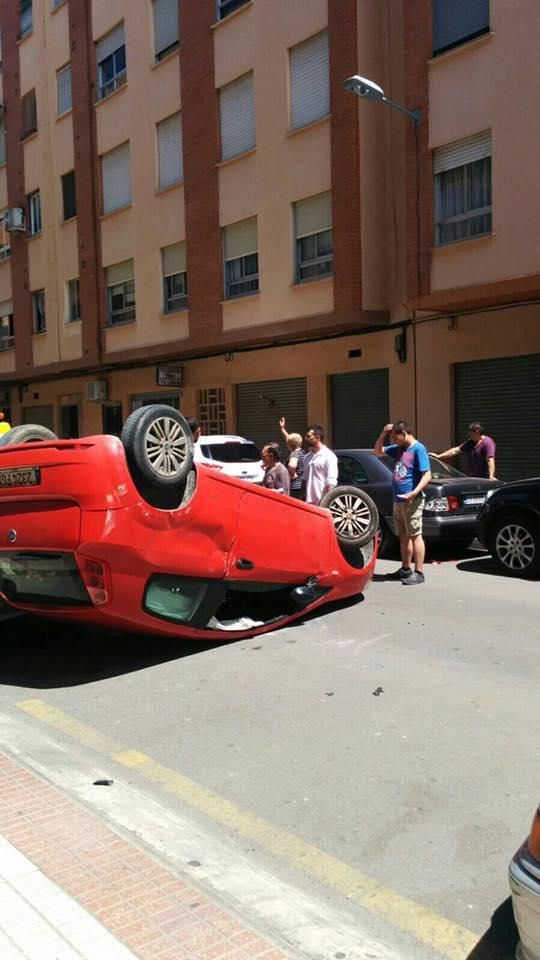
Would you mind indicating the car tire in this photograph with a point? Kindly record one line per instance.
(355, 516)
(159, 447)
(26, 433)
(388, 542)
(514, 544)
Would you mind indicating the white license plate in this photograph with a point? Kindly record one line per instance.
(19, 477)
(473, 501)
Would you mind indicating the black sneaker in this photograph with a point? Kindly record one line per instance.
(414, 578)
(402, 574)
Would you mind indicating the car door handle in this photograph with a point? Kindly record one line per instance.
(244, 564)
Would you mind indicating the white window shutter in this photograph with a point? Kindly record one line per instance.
(313, 215)
(240, 239)
(464, 151)
(170, 150)
(165, 25)
(237, 117)
(310, 80)
(110, 42)
(116, 177)
(174, 259)
(63, 89)
(120, 273)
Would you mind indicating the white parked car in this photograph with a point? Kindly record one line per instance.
(235, 456)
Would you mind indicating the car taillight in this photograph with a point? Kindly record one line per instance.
(453, 503)
(97, 580)
(437, 505)
(533, 842)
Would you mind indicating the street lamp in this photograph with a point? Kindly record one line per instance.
(369, 90)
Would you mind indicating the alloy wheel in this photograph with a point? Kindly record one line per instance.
(166, 447)
(515, 547)
(351, 515)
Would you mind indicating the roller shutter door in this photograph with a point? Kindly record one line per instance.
(260, 405)
(504, 396)
(359, 407)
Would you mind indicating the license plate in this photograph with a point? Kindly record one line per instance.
(473, 501)
(20, 477)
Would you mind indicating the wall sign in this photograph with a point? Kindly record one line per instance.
(167, 376)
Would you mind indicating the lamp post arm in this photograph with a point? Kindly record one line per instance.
(414, 115)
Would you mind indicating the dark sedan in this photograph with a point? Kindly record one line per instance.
(509, 526)
(452, 499)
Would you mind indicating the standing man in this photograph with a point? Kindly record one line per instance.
(479, 450)
(320, 466)
(196, 432)
(5, 425)
(411, 474)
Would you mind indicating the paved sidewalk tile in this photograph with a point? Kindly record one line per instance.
(72, 889)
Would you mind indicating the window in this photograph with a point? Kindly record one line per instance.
(121, 293)
(74, 300)
(224, 7)
(111, 62)
(7, 332)
(38, 310)
(170, 151)
(29, 113)
(313, 233)
(64, 101)
(174, 277)
(57, 3)
(212, 410)
(25, 16)
(455, 23)
(116, 178)
(241, 258)
(309, 80)
(351, 471)
(5, 244)
(462, 173)
(2, 141)
(34, 213)
(68, 195)
(165, 27)
(237, 117)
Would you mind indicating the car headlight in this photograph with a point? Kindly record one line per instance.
(437, 505)
(490, 493)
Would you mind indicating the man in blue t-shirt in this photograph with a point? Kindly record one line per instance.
(411, 474)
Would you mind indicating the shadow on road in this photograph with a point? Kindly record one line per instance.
(43, 654)
(40, 654)
(485, 564)
(500, 940)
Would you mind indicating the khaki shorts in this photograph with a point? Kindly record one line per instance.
(408, 517)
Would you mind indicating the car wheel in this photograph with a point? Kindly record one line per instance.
(514, 543)
(388, 542)
(355, 516)
(159, 446)
(26, 433)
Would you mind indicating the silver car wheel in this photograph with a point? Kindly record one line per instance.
(351, 515)
(515, 547)
(165, 446)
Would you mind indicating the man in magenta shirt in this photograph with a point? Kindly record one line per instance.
(479, 450)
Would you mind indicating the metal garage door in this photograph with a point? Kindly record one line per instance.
(359, 407)
(43, 415)
(260, 405)
(504, 396)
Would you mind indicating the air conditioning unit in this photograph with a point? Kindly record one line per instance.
(13, 220)
(97, 391)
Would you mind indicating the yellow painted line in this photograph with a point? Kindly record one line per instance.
(449, 939)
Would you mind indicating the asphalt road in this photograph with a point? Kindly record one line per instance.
(396, 739)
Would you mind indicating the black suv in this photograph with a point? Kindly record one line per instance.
(509, 526)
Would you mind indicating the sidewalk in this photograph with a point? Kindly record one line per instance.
(72, 889)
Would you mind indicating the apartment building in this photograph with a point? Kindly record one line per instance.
(195, 210)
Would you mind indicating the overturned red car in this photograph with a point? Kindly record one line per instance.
(128, 533)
